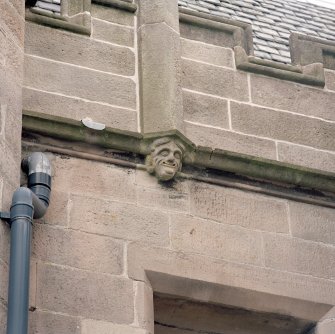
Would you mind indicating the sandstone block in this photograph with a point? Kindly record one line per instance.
(4, 274)
(233, 243)
(51, 323)
(326, 327)
(76, 108)
(236, 207)
(289, 96)
(161, 99)
(112, 15)
(158, 11)
(215, 80)
(119, 220)
(101, 327)
(4, 242)
(106, 181)
(80, 50)
(207, 53)
(330, 79)
(299, 256)
(77, 249)
(86, 294)
(231, 141)
(112, 33)
(305, 156)
(283, 126)
(78, 82)
(205, 109)
(312, 222)
(3, 318)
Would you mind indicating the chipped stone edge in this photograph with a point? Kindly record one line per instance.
(126, 5)
(244, 165)
(312, 74)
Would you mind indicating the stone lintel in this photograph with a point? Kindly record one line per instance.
(126, 5)
(311, 74)
(243, 165)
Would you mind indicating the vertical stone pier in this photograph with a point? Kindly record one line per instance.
(11, 74)
(159, 66)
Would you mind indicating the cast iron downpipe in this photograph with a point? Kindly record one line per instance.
(27, 203)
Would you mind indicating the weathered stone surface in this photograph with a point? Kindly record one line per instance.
(285, 95)
(299, 256)
(326, 327)
(12, 129)
(215, 80)
(112, 15)
(144, 307)
(160, 93)
(233, 243)
(235, 207)
(213, 280)
(231, 141)
(13, 20)
(52, 323)
(100, 179)
(306, 156)
(207, 53)
(159, 11)
(10, 171)
(282, 126)
(66, 247)
(312, 222)
(205, 109)
(3, 317)
(330, 79)
(101, 327)
(4, 274)
(80, 50)
(113, 33)
(4, 242)
(119, 220)
(78, 109)
(86, 294)
(78, 82)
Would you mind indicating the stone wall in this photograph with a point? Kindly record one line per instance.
(11, 74)
(113, 235)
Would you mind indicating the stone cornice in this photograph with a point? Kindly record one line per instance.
(239, 164)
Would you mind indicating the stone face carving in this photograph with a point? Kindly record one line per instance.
(165, 158)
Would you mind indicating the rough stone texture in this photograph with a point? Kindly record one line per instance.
(76, 81)
(330, 80)
(273, 124)
(3, 318)
(119, 220)
(113, 34)
(284, 95)
(313, 223)
(52, 323)
(208, 53)
(82, 293)
(80, 50)
(205, 109)
(112, 15)
(159, 11)
(78, 108)
(66, 247)
(239, 208)
(231, 141)
(106, 181)
(144, 307)
(306, 156)
(232, 243)
(160, 89)
(299, 256)
(101, 327)
(215, 80)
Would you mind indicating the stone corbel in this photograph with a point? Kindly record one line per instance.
(75, 16)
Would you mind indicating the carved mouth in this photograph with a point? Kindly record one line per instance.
(170, 165)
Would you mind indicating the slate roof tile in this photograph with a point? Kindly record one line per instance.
(272, 21)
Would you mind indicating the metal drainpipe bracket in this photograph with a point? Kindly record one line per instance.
(5, 216)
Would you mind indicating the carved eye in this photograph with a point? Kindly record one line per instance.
(177, 155)
(164, 153)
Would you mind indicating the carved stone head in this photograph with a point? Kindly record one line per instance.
(165, 159)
